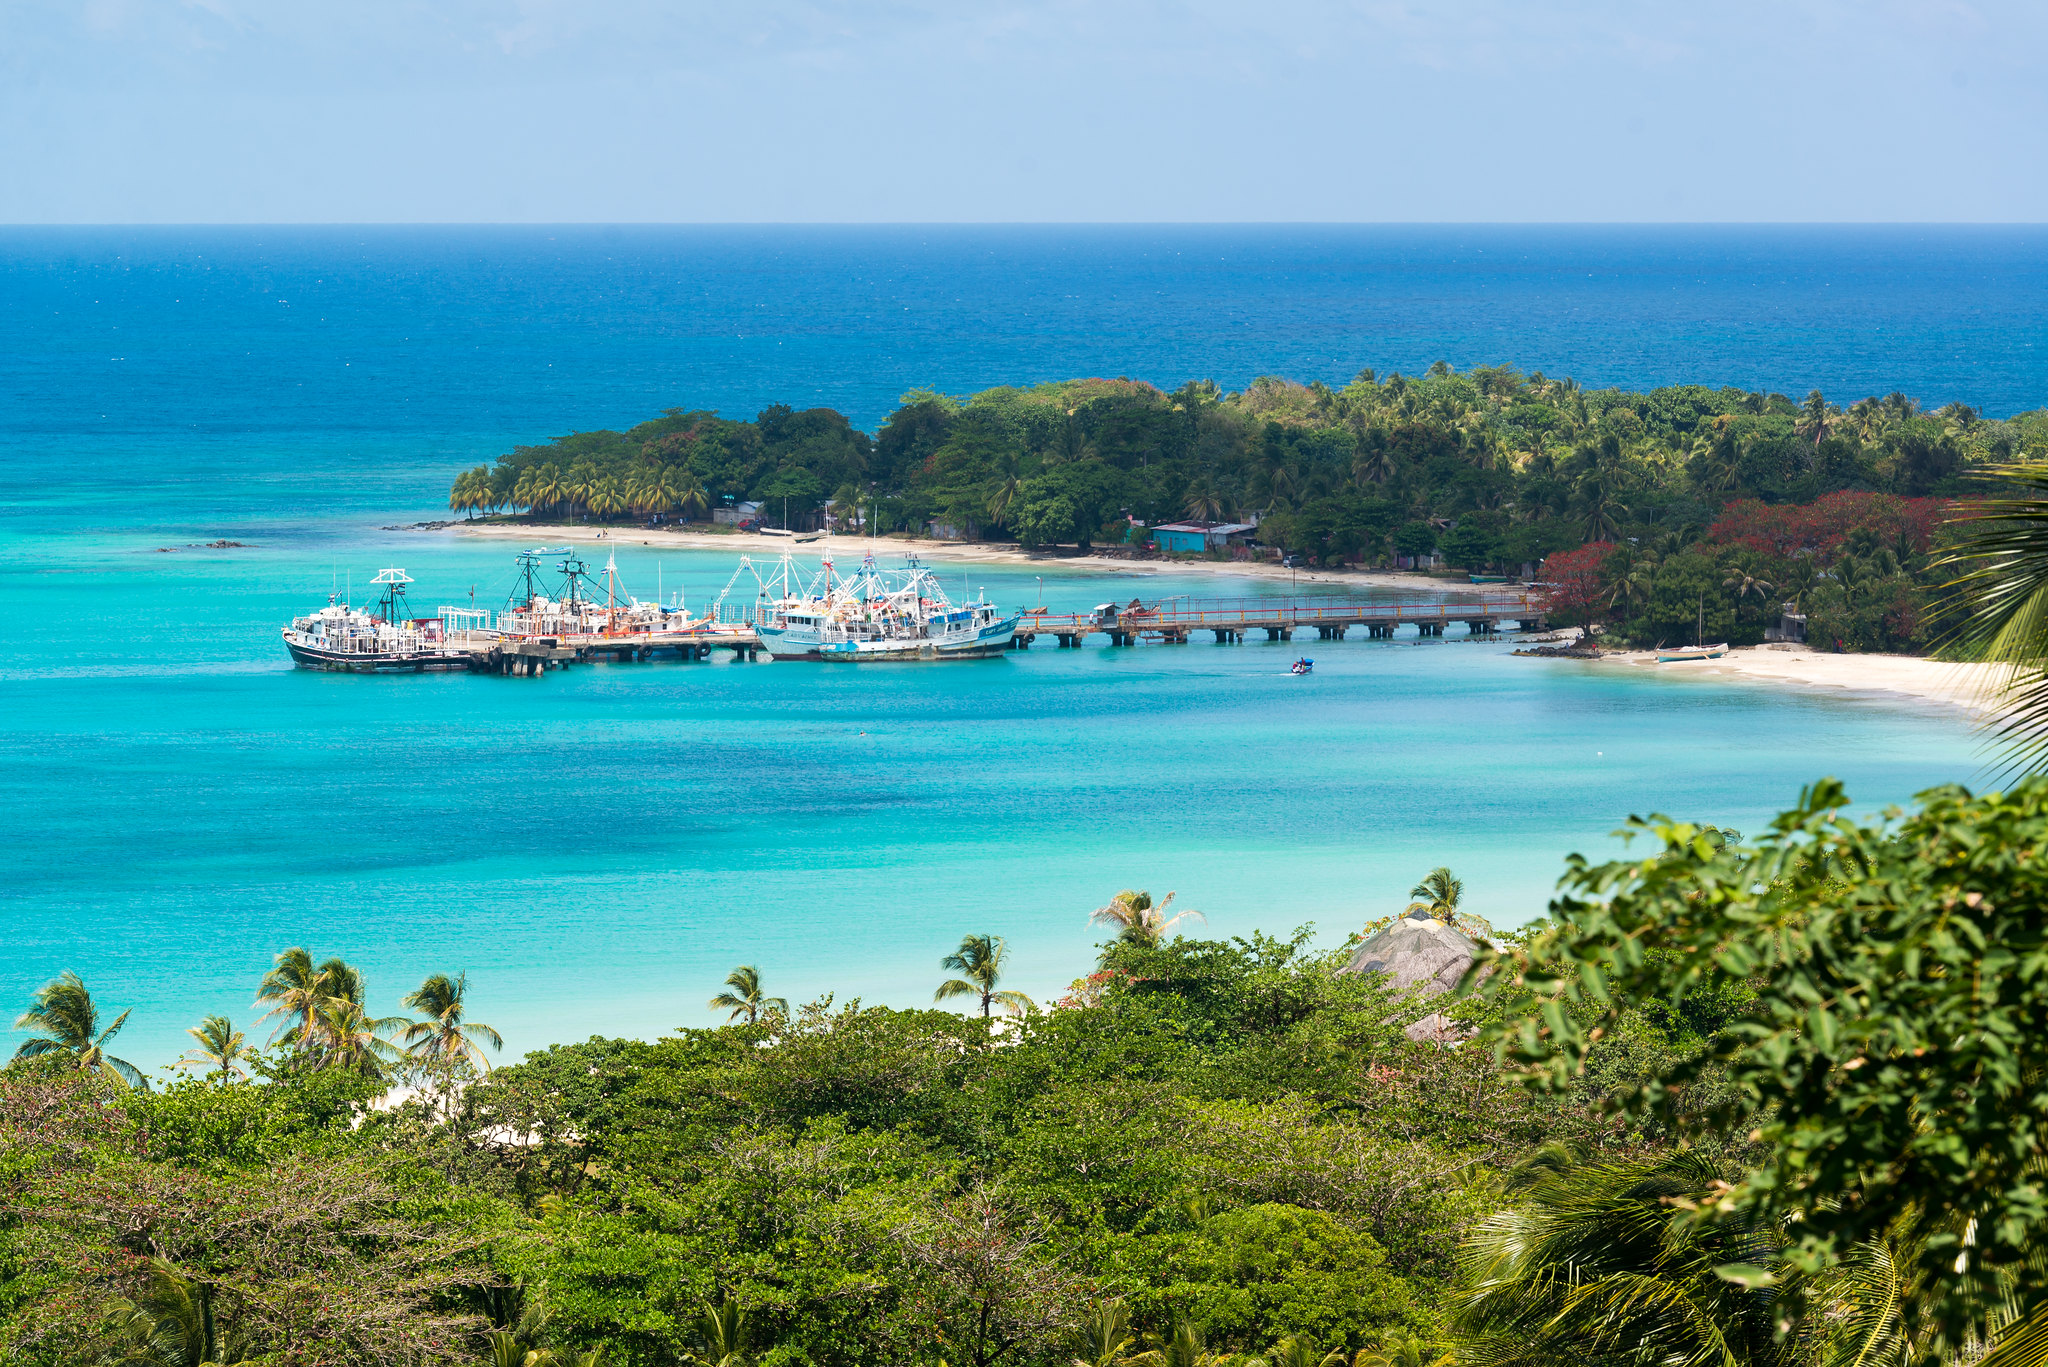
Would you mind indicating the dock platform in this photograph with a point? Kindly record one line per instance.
(1230, 619)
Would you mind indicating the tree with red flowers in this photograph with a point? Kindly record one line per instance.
(1575, 580)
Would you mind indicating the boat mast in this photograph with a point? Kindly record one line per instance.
(393, 600)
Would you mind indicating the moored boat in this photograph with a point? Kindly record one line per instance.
(347, 639)
(1692, 653)
(874, 616)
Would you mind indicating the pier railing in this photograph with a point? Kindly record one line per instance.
(1250, 613)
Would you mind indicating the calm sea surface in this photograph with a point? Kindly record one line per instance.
(599, 846)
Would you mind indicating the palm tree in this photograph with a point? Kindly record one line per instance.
(1400, 1349)
(1999, 612)
(444, 1036)
(980, 959)
(69, 1023)
(1104, 1336)
(220, 1045)
(745, 999)
(1182, 1348)
(718, 1335)
(1297, 1351)
(1815, 417)
(293, 987)
(844, 507)
(1002, 496)
(1203, 503)
(303, 995)
(1137, 920)
(354, 1041)
(1437, 896)
(172, 1323)
(1598, 1259)
(1744, 583)
(690, 493)
(608, 498)
(1632, 588)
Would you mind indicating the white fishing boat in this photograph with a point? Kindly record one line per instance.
(1665, 657)
(874, 615)
(579, 606)
(388, 641)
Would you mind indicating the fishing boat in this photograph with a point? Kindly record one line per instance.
(386, 641)
(579, 605)
(1665, 657)
(875, 615)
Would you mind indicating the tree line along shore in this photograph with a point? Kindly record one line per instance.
(1713, 508)
(1761, 1104)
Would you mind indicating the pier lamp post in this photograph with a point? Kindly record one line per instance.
(1041, 590)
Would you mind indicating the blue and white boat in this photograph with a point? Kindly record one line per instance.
(876, 615)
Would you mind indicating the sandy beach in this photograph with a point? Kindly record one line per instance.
(964, 552)
(1931, 681)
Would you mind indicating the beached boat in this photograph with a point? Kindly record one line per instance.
(387, 641)
(875, 615)
(1692, 653)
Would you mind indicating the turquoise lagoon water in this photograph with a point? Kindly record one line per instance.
(597, 847)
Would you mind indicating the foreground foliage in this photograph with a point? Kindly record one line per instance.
(1889, 1070)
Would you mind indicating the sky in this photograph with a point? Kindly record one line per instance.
(272, 111)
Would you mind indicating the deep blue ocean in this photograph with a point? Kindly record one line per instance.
(598, 847)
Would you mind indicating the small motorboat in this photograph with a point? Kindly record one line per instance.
(1302, 666)
(1665, 657)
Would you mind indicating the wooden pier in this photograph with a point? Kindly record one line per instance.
(1228, 620)
(531, 655)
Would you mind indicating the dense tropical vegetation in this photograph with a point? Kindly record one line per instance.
(1707, 509)
(1748, 1103)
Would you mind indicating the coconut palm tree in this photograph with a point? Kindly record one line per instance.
(1999, 612)
(1298, 1351)
(1137, 920)
(354, 1041)
(68, 1022)
(745, 998)
(220, 1045)
(1596, 1261)
(1105, 1336)
(294, 988)
(1437, 896)
(1181, 1348)
(1816, 415)
(1744, 583)
(1002, 494)
(1400, 1349)
(171, 1323)
(980, 960)
(444, 1036)
(1203, 503)
(690, 493)
(718, 1335)
(606, 498)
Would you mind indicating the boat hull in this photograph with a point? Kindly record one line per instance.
(986, 644)
(371, 662)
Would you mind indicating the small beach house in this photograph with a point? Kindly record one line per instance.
(1200, 536)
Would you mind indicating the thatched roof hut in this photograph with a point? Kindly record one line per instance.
(1418, 951)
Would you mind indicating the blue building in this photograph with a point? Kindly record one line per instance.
(1199, 536)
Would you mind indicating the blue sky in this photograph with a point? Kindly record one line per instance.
(1025, 110)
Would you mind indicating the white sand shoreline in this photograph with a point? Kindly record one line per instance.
(968, 552)
(1942, 685)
